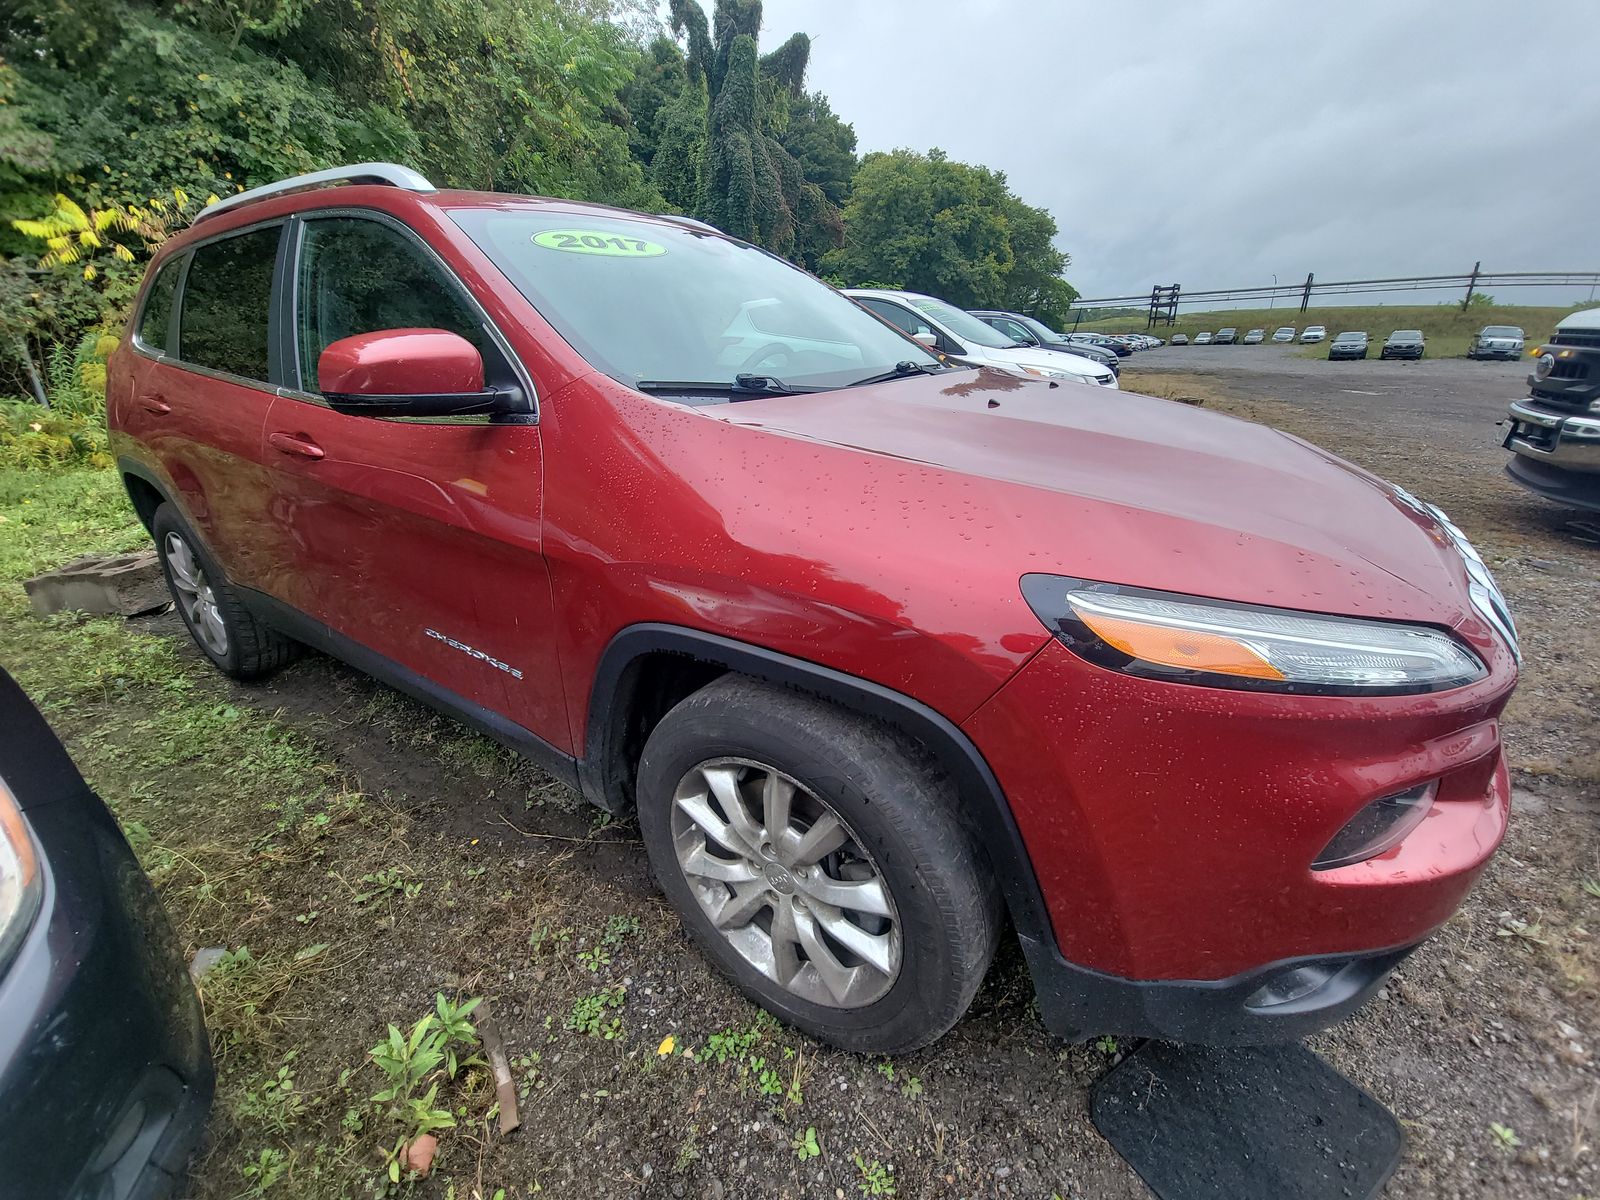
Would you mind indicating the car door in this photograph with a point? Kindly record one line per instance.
(416, 539)
(202, 384)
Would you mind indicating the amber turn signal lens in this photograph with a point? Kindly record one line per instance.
(1189, 649)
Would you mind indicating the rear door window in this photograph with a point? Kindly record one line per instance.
(227, 304)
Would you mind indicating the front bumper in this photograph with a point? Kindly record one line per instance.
(1338, 354)
(1172, 828)
(1509, 351)
(105, 1068)
(1561, 440)
(1402, 352)
(1279, 1002)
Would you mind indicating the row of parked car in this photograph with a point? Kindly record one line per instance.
(1007, 341)
(1492, 341)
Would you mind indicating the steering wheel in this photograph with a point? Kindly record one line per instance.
(770, 350)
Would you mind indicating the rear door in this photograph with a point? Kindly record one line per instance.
(203, 384)
(415, 538)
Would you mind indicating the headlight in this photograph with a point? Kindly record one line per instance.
(1191, 639)
(1045, 373)
(19, 875)
(1482, 589)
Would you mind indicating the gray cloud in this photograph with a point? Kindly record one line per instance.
(1215, 144)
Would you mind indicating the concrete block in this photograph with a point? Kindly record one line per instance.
(119, 585)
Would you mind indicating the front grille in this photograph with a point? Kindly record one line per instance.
(1561, 394)
(1569, 368)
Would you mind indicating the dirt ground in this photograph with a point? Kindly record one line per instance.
(422, 860)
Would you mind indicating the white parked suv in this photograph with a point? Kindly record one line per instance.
(961, 335)
(1314, 333)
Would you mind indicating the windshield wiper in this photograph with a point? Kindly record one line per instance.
(742, 385)
(904, 369)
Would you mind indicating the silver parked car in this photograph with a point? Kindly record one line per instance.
(1497, 341)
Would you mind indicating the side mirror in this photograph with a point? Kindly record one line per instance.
(409, 373)
(926, 337)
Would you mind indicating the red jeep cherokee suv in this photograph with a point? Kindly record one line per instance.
(883, 652)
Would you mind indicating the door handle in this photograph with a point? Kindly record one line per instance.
(292, 443)
(155, 404)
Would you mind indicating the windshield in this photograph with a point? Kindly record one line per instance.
(1287, 329)
(1351, 337)
(1510, 331)
(963, 324)
(647, 302)
(1408, 335)
(1040, 330)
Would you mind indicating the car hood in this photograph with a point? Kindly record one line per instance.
(1134, 490)
(1587, 319)
(1044, 360)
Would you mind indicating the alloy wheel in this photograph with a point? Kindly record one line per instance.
(194, 596)
(785, 881)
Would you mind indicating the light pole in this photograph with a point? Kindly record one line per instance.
(1273, 299)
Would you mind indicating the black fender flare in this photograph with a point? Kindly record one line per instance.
(604, 778)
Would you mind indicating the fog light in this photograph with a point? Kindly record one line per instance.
(1288, 986)
(1378, 827)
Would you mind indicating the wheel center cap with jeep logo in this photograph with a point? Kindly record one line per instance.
(779, 878)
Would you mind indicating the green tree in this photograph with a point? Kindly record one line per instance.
(823, 145)
(1034, 284)
(658, 82)
(950, 229)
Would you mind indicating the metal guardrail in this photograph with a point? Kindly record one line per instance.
(1164, 300)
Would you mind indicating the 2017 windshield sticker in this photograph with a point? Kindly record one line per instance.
(591, 241)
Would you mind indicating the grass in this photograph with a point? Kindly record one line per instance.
(1447, 328)
(236, 816)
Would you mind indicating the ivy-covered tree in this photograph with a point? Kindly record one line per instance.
(750, 184)
(728, 188)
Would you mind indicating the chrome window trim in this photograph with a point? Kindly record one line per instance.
(288, 392)
(434, 257)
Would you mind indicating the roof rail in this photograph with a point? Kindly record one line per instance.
(687, 222)
(368, 172)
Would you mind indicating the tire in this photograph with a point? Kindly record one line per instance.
(236, 643)
(931, 940)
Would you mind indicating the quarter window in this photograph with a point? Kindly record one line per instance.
(360, 276)
(227, 304)
(156, 317)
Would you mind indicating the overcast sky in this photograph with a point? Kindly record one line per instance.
(1215, 144)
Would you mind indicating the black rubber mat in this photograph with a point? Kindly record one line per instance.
(1247, 1123)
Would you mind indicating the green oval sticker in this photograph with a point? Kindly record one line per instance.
(592, 241)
